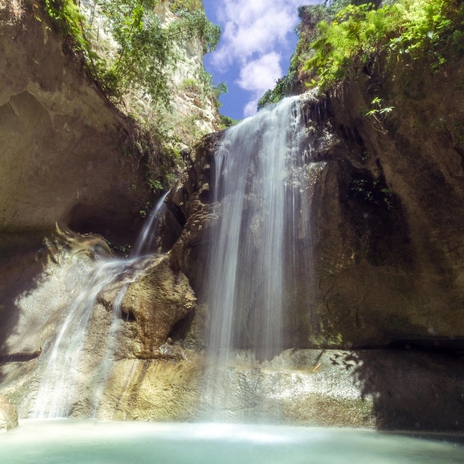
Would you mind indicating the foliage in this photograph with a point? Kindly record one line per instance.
(218, 90)
(189, 5)
(307, 31)
(371, 190)
(283, 87)
(147, 49)
(137, 74)
(409, 28)
(191, 85)
(378, 114)
(67, 18)
(227, 122)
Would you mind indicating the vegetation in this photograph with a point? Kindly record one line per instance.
(406, 29)
(307, 31)
(340, 38)
(227, 122)
(137, 74)
(148, 50)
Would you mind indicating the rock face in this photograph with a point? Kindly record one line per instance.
(370, 389)
(60, 140)
(8, 415)
(131, 319)
(154, 299)
(391, 267)
(38, 285)
(386, 215)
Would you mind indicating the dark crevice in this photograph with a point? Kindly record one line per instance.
(180, 329)
(128, 317)
(19, 357)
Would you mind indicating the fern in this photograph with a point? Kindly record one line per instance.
(358, 34)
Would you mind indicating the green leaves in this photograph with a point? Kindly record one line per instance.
(148, 50)
(358, 34)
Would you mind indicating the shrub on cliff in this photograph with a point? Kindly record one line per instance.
(147, 48)
(408, 28)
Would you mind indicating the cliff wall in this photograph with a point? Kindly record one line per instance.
(386, 214)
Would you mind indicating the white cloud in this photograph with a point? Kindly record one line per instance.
(257, 76)
(254, 31)
(260, 74)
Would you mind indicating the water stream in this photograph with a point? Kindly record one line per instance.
(263, 182)
(64, 369)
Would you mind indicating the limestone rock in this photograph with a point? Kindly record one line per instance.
(157, 301)
(380, 389)
(8, 415)
(60, 139)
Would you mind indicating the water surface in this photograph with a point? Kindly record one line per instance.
(91, 442)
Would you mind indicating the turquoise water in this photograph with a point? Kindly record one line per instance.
(91, 442)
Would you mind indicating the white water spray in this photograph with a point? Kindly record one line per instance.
(57, 392)
(251, 246)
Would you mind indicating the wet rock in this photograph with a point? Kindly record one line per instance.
(385, 213)
(157, 301)
(39, 284)
(8, 415)
(387, 390)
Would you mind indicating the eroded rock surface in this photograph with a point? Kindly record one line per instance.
(39, 284)
(152, 298)
(8, 415)
(92, 309)
(386, 215)
(60, 139)
(388, 390)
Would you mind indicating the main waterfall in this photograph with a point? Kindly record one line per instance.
(263, 236)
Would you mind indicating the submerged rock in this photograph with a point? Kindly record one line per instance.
(8, 415)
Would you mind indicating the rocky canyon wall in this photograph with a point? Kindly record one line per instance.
(60, 140)
(386, 213)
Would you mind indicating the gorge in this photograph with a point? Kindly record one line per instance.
(305, 269)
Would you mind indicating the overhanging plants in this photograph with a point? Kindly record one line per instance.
(408, 29)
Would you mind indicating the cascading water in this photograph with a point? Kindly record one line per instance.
(260, 182)
(146, 241)
(57, 390)
(263, 187)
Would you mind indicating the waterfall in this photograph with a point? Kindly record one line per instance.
(260, 187)
(259, 282)
(58, 387)
(146, 241)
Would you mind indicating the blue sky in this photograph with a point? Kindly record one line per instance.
(257, 42)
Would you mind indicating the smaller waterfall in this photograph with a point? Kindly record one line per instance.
(146, 241)
(64, 369)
